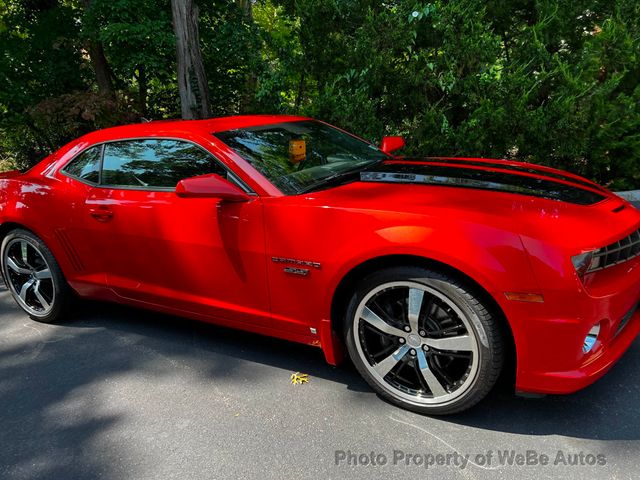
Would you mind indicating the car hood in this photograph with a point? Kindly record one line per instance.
(532, 201)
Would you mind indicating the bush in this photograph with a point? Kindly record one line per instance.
(54, 122)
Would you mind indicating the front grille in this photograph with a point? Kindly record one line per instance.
(618, 252)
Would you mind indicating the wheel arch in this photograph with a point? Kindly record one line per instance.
(5, 228)
(344, 289)
(10, 225)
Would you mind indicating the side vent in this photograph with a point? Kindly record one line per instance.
(618, 209)
(71, 253)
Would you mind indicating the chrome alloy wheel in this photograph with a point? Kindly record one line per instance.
(29, 277)
(416, 343)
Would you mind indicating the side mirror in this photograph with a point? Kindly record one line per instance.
(210, 186)
(391, 144)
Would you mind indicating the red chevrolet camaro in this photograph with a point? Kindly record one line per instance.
(432, 274)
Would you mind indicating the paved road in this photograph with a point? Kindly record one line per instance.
(117, 393)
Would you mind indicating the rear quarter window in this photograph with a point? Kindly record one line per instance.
(86, 166)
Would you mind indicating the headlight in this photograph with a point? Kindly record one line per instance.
(582, 263)
(585, 262)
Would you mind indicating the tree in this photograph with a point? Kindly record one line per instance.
(99, 62)
(192, 80)
(40, 58)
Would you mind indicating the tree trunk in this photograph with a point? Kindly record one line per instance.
(104, 77)
(143, 89)
(300, 94)
(251, 83)
(192, 80)
(246, 7)
(99, 62)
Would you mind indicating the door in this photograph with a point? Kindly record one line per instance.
(195, 255)
(72, 243)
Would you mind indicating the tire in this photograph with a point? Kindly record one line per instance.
(448, 361)
(46, 296)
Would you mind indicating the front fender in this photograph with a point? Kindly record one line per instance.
(495, 259)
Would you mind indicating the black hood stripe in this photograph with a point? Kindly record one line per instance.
(504, 165)
(458, 176)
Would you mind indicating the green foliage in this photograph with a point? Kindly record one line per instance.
(544, 81)
(39, 59)
(541, 81)
(231, 55)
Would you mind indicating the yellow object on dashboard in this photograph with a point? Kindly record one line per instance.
(297, 151)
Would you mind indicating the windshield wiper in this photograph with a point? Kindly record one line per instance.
(339, 177)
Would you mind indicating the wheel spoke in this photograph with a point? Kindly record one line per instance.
(385, 366)
(415, 304)
(462, 343)
(25, 288)
(43, 274)
(15, 267)
(444, 331)
(375, 321)
(41, 299)
(23, 250)
(432, 382)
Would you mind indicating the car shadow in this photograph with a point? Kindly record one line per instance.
(182, 337)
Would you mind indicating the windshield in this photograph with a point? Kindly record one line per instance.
(300, 156)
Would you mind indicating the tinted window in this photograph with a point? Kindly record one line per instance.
(297, 156)
(155, 163)
(86, 166)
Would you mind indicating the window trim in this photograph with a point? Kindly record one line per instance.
(232, 176)
(64, 172)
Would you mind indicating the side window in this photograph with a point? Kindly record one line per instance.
(86, 166)
(155, 163)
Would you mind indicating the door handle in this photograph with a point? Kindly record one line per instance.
(102, 214)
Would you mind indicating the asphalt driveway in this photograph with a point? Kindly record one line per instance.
(117, 393)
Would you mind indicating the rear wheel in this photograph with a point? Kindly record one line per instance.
(33, 276)
(423, 340)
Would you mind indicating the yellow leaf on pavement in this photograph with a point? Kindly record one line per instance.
(298, 378)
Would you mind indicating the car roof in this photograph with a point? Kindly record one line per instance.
(181, 127)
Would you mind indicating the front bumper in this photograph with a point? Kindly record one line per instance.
(591, 369)
(549, 336)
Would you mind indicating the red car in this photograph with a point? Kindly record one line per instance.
(433, 274)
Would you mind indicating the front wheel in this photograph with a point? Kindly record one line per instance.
(423, 340)
(33, 276)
